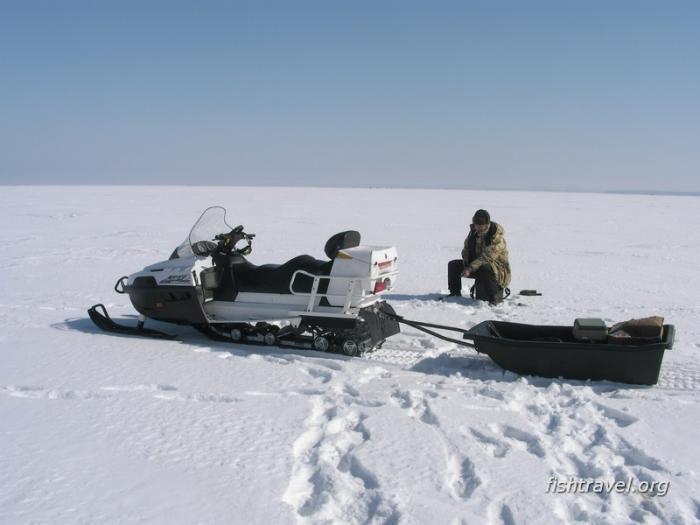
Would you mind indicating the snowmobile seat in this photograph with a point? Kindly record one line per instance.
(340, 241)
(273, 278)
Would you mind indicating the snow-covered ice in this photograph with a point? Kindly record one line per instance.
(98, 428)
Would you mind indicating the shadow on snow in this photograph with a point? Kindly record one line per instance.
(470, 366)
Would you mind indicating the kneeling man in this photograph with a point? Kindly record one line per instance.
(484, 259)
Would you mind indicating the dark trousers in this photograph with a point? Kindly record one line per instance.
(485, 285)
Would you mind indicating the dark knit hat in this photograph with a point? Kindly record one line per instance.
(481, 217)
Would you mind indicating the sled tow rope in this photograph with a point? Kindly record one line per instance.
(424, 327)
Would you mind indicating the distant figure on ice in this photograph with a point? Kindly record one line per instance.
(484, 259)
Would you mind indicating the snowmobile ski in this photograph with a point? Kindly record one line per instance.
(106, 323)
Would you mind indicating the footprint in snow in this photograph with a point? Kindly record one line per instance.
(328, 481)
(461, 476)
(490, 391)
(621, 419)
(372, 373)
(345, 389)
(317, 373)
(506, 515)
(634, 456)
(532, 443)
(492, 445)
(416, 405)
(696, 503)
(401, 398)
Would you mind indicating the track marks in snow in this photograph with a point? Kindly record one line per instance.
(461, 475)
(494, 446)
(635, 456)
(492, 392)
(140, 388)
(696, 509)
(268, 357)
(679, 376)
(321, 374)
(329, 482)
(504, 438)
(461, 478)
(506, 515)
(416, 403)
(621, 419)
(577, 435)
(38, 392)
(201, 397)
(397, 354)
(170, 393)
(530, 442)
(161, 392)
(373, 373)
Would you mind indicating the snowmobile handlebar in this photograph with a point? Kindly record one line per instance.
(228, 241)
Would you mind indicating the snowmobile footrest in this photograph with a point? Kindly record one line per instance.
(98, 314)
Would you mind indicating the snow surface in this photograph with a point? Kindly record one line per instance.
(98, 428)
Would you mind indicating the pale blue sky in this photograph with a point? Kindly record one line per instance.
(561, 94)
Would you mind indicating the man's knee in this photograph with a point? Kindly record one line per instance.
(455, 267)
(456, 263)
(484, 272)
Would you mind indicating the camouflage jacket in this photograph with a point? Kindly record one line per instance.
(490, 249)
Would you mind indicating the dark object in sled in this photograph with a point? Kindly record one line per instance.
(552, 351)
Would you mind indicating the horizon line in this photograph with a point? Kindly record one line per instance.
(373, 187)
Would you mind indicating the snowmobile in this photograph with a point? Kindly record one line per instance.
(207, 283)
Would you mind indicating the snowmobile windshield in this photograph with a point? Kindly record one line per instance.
(211, 223)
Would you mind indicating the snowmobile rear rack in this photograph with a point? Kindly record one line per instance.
(106, 323)
(353, 283)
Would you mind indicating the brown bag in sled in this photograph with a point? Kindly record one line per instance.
(637, 331)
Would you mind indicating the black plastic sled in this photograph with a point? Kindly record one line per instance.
(560, 351)
(552, 351)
